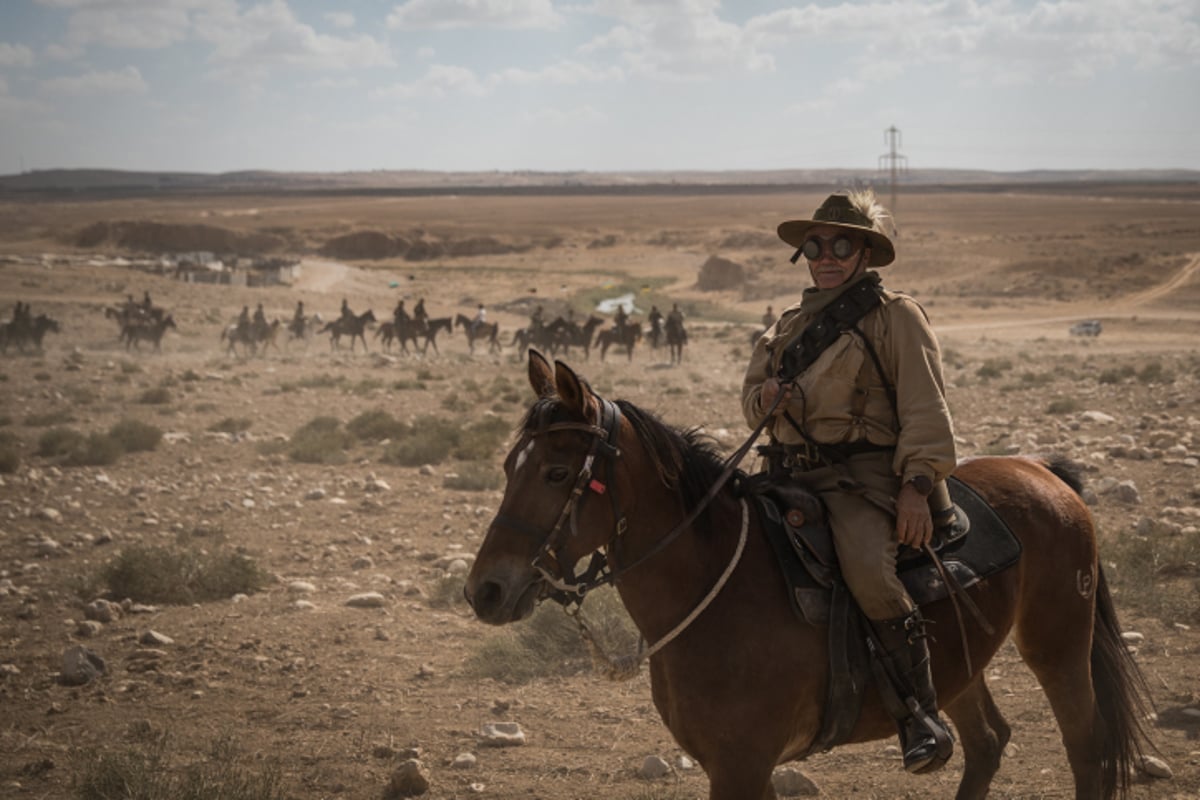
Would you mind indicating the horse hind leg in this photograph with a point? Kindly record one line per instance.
(740, 781)
(983, 732)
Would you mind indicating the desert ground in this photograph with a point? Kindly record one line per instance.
(326, 700)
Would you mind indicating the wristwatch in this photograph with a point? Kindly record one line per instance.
(922, 484)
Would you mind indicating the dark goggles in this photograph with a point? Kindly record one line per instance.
(840, 247)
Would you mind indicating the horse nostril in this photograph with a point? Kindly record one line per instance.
(488, 596)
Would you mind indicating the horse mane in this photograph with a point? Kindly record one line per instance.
(686, 459)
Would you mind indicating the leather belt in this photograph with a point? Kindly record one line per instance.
(809, 456)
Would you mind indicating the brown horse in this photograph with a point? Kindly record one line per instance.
(487, 330)
(146, 331)
(432, 326)
(352, 326)
(676, 338)
(626, 338)
(742, 687)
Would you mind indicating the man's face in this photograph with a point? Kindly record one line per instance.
(827, 270)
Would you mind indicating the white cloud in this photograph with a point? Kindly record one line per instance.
(563, 73)
(446, 14)
(563, 117)
(268, 36)
(1004, 42)
(676, 39)
(440, 80)
(15, 55)
(340, 19)
(123, 81)
(137, 24)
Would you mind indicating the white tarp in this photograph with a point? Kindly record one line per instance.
(610, 305)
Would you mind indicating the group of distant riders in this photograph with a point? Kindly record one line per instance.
(25, 329)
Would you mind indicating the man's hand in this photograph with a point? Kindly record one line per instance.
(770, 390)
(914, 523)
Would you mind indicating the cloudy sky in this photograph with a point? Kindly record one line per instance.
(218, 85)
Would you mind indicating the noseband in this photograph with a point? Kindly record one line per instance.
(568, 588)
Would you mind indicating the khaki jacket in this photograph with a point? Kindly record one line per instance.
(841, 398)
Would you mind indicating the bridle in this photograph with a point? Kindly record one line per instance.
(567, 588)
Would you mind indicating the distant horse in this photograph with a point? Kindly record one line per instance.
(408, 331)
(146, 331)
(302, 329)
(486, 330)
(432, 326)
(31, 332)
(626, 338)
(740, 679)
(352, 326)
(571, 335)
(676, 338)
(252, 337)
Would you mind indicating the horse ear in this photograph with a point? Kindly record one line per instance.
(541, 375)
(575, 392)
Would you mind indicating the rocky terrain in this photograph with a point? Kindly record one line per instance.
(349, 654)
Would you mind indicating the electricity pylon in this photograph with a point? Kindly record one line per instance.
(896, 162)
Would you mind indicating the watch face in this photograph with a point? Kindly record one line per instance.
(922, 484)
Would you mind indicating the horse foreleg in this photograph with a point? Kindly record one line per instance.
(740, 780)
(984, 734)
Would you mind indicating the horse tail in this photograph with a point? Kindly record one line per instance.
(1121, 697)
(1118, 683)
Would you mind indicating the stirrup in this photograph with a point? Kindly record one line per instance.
(926, 742)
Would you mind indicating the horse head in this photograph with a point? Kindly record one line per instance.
(559, 503)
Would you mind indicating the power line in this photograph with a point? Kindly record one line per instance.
(896, 162)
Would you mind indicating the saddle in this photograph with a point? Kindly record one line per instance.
(976, 545)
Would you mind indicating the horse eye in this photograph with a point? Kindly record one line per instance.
(557, 474)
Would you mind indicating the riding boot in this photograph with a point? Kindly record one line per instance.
(925, 739)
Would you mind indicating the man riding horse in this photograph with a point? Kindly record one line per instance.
(851, 377)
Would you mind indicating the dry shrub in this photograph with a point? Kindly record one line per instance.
(159, 574)
(231, 425)
(45, 419)
(135, 436)
(10, 452)
(474, 478)
(156, 396)
(1159, 574)
(71, 448)
(549, 643)
(321, 440)
(376, 425)
(146, 772)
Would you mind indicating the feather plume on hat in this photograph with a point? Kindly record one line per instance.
(858, 211)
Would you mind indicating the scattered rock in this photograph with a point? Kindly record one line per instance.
(155, 639)
(409, 780)
(791, 782)
(501, 734)
(88, 628)
(367, 600)
(1155, 767)
(464, 761)
(102, 611)
(653, 768)
(80, 666)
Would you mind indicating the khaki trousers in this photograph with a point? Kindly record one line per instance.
(864, 534)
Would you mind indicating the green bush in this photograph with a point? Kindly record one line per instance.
(376, 425)
(135, 436)
(158, 574)
(321, 440)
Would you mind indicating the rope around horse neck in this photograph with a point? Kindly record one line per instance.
(627, 667)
